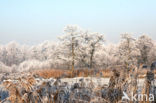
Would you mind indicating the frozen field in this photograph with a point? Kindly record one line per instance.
(96, 80)
(29, 88)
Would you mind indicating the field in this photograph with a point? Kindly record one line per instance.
(64, 86)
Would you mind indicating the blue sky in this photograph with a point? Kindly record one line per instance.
(33, 21)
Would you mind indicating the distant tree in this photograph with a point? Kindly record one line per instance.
(144, 44)
(3, 55)
(4, 68)
(105, 55)
(70, 43)
(127, 50)
(34, 53)
(92, 42)
(152, 54)
(13, 54)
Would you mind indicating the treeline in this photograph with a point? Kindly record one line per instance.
(78, 48)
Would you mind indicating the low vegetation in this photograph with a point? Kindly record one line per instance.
(59, 87)
(59, 73)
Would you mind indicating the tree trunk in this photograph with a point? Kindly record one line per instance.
(91, 58)
(73, 54)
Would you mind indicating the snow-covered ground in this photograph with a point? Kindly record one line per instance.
(95, 80)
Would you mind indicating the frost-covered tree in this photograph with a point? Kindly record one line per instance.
(105, 56)
(90, 43)
(3, 54)
(144, 44)
(69, 42)
(152, 54)
(43, 51)
(25, 49)
(4, 68)
(12, 54)
(127, 50)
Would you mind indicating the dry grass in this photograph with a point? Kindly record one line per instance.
(48, 73)
(57, 73)
(24, 84)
